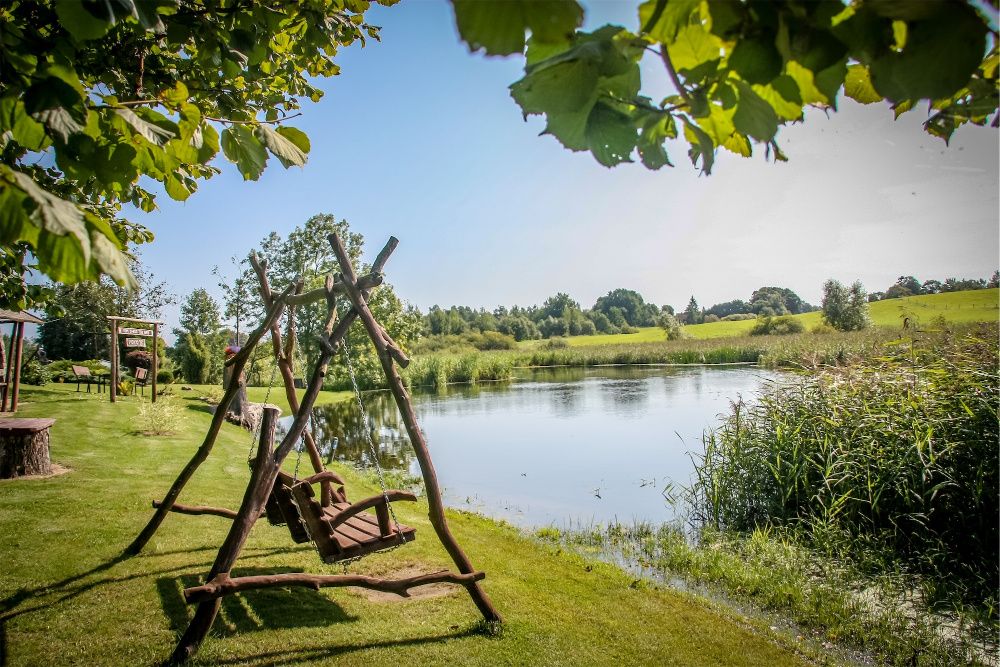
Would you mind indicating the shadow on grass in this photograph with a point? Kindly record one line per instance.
(330, 653)
(249, 611)
(77, 584)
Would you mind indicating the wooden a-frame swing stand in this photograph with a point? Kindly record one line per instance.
(266, 466)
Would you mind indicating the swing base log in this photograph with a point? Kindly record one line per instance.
(196, 510)
(223, 584)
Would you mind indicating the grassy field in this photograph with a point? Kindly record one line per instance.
(67, 598)
(971, 306)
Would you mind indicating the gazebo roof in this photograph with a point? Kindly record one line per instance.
(12, 316)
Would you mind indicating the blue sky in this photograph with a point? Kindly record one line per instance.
(419, 139)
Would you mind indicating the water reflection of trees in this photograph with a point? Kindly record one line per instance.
(339, 431)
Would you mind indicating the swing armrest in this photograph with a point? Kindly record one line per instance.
(368, 503)
(326, 476)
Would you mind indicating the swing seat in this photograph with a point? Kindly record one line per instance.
(342, 530)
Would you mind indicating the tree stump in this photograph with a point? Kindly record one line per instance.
(24, 447)
(239, 409)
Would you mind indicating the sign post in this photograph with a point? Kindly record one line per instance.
(135, 338)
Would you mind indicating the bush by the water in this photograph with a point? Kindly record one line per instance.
(777, 326)
(891, 462)
(472, 340)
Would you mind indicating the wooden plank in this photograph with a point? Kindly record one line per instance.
(22, 425)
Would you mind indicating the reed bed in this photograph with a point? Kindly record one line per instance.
(891, 462)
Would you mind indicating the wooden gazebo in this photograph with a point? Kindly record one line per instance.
(10, 359)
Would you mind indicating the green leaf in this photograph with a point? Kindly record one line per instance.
(718, 124)
(499, 27)
(611, 135)
(242, 148)
(702, 147)
(756, 60)
(175, 187)
(24, 129)
(940, 56)
(783, 96)
(662, 19)
(754, 116)
(694, 48)
(858, 85)
(58, 105)
(296, 136)
(84, 19)
(154, 134)
(281, 147)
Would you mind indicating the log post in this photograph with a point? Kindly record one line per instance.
(434, 503)
(156, 354)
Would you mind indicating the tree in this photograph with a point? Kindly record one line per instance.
(739, 70)
(76, 325)
(735, 307)
(776, 300)
(636, 311)
(201, 340)
(100, 97)
(845, 308)
(692, 315)
(994, 280)
(904, 286)
(306, 254)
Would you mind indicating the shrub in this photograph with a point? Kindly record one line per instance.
(823, 329)
(164, 376)
(34, 373)
(777, 326)
(62, 370)
(670, 325)
(138, 359)
(160, 418)
(555, 343)
(738, 317)
(710, 318)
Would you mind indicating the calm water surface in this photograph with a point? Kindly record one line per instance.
(558, 446)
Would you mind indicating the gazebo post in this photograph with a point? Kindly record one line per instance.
(18, 351)
(5, 359)
(114, 360)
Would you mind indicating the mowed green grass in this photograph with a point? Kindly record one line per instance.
(67, 598)
(970, 306)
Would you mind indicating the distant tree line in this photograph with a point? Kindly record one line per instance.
(910, 286)
(619, 311)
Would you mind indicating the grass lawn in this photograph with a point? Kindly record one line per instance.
(970, 306)
(66, 597)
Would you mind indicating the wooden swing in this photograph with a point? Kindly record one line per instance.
(340, 530)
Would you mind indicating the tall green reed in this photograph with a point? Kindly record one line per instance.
(891, 461)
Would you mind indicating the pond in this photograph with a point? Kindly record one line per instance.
(564, 447)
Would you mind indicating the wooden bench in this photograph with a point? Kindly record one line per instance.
(83, 375)
(141, 378)
(24, 447)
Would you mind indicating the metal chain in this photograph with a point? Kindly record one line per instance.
(260, 418)
(371, 441)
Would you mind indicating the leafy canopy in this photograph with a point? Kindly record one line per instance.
(740, 70)
(99, 98)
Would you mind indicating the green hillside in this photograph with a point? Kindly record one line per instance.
(970, 306)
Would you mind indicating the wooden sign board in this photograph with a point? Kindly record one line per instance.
(135, 342)
(129, 331)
